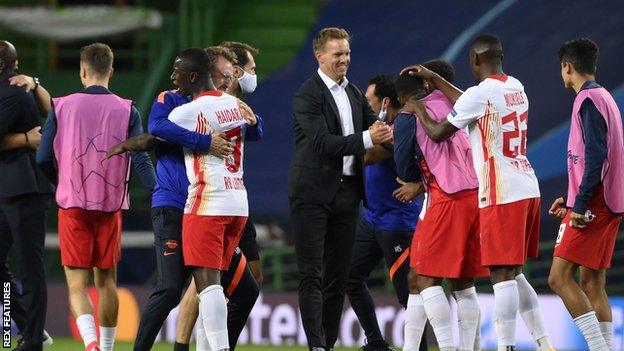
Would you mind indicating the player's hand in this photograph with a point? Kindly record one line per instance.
(376, 125)
(116, 150)
(419, 71)
(577, 220)
(415, 106)
(23, 81)
(256, 271)
(408, 191)
(34, 138)
(380, 134)
(248, 114)
(557, 209)
(220, 146)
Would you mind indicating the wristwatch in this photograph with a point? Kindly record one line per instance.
(36, 81)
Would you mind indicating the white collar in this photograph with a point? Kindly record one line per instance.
(330, 82)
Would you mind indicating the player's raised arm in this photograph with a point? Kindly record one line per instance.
(436, 131)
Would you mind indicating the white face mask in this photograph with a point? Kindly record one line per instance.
(382, 114)
(248, 82)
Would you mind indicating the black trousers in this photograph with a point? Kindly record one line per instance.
(372, 244)
(173, 277)
(324, 236)
(22, 222)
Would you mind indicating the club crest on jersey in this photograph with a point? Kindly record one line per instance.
(171, 244)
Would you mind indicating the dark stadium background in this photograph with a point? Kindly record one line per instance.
(386, 36)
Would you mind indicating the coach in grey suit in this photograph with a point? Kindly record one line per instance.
(333, 127)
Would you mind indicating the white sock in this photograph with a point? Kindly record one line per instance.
(415, 320)
(505, 310)
(86, 326)
(468, 315)
(606, 328)
(202, 341)
(588, 324)
(107, 338)
(477, 343)
(531, 315)
(213, 309)
(439, 314)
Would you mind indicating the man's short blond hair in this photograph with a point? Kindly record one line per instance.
(215, 51)
(327, 34)
(98, 57)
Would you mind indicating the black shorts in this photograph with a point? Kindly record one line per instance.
(248, 243)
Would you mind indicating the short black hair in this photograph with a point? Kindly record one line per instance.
(582, 53)
(240, 50)
(384, 88)
(196, 60)
(407, 84)
(441, 67)
(488, 46)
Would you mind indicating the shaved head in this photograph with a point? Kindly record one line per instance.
(486, 56)
(488, 47)
(8, 56)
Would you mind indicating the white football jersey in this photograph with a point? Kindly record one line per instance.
(216, 185)
(496, 113)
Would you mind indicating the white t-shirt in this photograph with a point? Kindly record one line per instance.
(216, 185)
(496, 113)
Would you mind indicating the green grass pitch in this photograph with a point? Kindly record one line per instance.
(68, 344)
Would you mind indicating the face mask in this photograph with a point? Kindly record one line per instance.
(382, 114)
(248, 82)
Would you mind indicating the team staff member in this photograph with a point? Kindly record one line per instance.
(385, 229)
(30, 140)
(91, 193)
(331, 118)
(496, 113)
(595, 199)
(245, 82)
(24, 197)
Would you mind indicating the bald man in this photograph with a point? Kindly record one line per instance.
(24, 197)
(496, 114)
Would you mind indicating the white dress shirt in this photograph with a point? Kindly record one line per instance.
(346, 118)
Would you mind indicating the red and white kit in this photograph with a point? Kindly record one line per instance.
(496, 115)
(216, 208)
